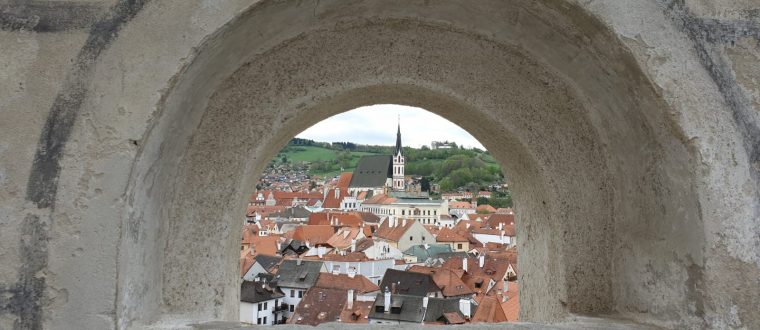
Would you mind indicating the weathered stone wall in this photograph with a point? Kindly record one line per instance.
(131, 131)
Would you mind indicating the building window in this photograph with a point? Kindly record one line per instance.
(265, 320)
(259, 307)
(459, 246)
(258, 321)
(300, 294)
(292, 293)
(291, 308)
(423, 238)
(265, 308)
(411, 238)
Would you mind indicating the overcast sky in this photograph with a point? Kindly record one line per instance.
(376, 125)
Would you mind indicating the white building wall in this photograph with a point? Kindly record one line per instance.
(249, 312)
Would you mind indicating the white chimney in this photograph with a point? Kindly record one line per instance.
(481, 261)
(350, 299)
(353, 245)
(403, 223)
(467, 225)
(337, 192)
(298, 261)
(425, 301)
(387, 301)
(501, 225)
(464, 307)
(320, 251)
(501, 237)
(464, 264)
(351, 272)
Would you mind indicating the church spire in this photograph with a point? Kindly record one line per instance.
(398, 137)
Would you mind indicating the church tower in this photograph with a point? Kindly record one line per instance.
(398, 163)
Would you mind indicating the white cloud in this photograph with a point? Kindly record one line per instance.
(376, 124)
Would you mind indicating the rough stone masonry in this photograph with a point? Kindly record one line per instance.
(131, 133)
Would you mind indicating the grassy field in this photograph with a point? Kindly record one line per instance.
(313, 154)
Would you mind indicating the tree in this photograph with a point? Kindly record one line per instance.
(425, 184)
(284, 159)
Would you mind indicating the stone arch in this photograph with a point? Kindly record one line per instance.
(576, 156)
(614, 171)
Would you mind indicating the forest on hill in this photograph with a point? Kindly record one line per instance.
(452, 169)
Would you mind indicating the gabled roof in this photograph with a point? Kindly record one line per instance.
(489, 310)
(372, 171)
(359, 313)
(319, 305)
(408, 283)
(315, 234)
(449, 281)
(438, 307)
(486, 208)
(344, 180)
(266, 245)
(410, 308)
(343, 237)
(425, 251)
(267, 262)
(380, 199)
(459, 205)
(393, 233)
(255, 292)
(333, 199)
(359, 283)
(368, 217)
(450, 235)
(298, 212)
(303, 276)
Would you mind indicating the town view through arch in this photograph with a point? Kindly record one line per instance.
(375, 210)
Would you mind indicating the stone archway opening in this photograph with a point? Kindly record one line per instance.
(582, 132)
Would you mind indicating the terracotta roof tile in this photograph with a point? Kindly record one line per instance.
(359, 283)
(319, 305)
(314, 234)
(393, 233)
(450, 235)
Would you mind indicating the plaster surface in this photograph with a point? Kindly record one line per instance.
(132, 131)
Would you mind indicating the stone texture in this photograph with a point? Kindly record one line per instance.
(131, 134)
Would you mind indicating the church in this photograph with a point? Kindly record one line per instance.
(378, 185)
(380, 174)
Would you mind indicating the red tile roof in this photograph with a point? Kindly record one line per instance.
(450, 235)
(393, 233)
(459, 205)
(332, 200)
(343, 237)
(486, 208)
(358, 314)
(359, 283)
(449, 281)
(379, 199)
(344, 180)
(314, 234)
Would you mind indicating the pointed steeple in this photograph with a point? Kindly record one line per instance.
(398, 138)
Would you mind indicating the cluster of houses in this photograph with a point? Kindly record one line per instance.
(351, 266)
(370, 247)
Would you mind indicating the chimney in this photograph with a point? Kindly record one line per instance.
(298, 262)
(353, 245)
(464, 307)
(502, 237)
(337, 193)
(320, 251)
(393, 287)
(481, 260)
(350, 299)
(308, 244)
(403, 223)
(351, 272)
(425, 301)
(464, 264)
(387, 301)
(467, 225)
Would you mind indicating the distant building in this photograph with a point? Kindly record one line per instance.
(260, 302)
(294, 278)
